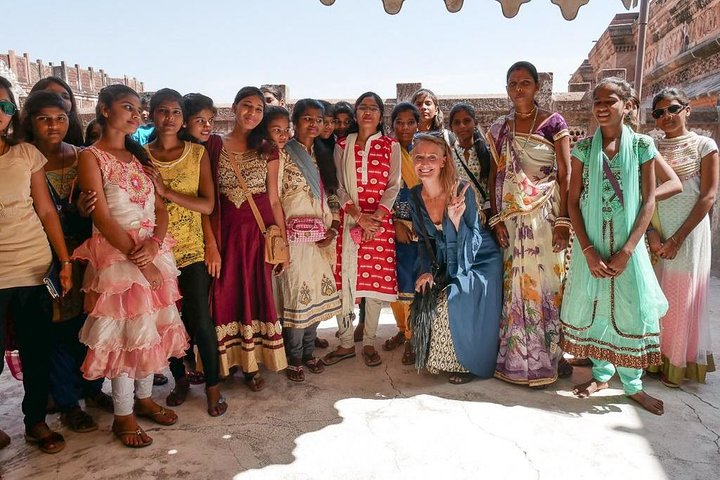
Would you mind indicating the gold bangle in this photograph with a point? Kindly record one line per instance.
(672, 237)
(66, 262)
(588, 248)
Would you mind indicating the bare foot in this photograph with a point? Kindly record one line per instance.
(586, 389)
(651, 404)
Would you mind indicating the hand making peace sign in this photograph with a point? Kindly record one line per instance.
(456, 205)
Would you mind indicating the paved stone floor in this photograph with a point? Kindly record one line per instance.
(389, 422)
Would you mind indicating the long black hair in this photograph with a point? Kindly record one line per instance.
(380, 104)
(481, 149)
(35, 102)
(74, 135)
(323, 154)
(109, 95)
(194, 103)
(256, 136)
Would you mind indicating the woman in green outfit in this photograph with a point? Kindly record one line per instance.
(613, 302)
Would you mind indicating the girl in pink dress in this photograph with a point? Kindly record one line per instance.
(130, 285)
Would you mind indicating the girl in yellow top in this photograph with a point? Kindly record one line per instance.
(183, 179)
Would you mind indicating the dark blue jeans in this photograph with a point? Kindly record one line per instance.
(67, 385)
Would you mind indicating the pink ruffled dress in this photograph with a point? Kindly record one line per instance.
(130, 329)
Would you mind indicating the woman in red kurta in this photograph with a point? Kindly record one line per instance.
(368, 165)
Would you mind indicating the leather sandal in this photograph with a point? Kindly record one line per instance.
(218, 408)
(125, 435)
(460, 378)
(100, 400)
(371, 358)
(254, 381)
(159, 379)
(163, 416)
(195, 377)
(50, 442)
(78, 420)
(321, 343)
(393, 342)
(295, 373)
(334, 357)
(314, 365)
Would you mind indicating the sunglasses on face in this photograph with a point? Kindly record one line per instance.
(7, 107)
(658, 113)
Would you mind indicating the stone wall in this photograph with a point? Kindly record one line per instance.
(85, 82)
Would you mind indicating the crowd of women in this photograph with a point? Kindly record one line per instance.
(215, 254)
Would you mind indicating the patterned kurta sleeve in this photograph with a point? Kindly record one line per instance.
(341, 193)
(582, 149)
(646, 149)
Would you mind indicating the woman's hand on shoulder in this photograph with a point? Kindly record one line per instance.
(154, 174)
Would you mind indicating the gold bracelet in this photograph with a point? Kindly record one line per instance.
(588, 248)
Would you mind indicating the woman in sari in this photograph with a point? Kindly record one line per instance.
(368, 165)
(242, 304)
(528, 184)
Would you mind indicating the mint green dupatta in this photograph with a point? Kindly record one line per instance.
(652, 304)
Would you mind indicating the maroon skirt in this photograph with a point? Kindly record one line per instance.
(248, 328)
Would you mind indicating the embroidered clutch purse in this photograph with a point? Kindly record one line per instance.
(304, 230)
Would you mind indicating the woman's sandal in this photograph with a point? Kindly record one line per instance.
(295, 373)
(664, 380)
(50, 442)
(460, 378)
(371, 358)
(165, 417)
(195, 377)
(179, 394)
(254, 381)
(408, 357)
(394, 342)
(218, 408)
(125, 435)
(159, 379)
(78, 420)
(314, 365)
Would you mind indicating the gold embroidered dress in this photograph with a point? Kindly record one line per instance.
(306, 293)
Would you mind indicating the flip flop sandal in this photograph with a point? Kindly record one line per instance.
(195, 377)
(668, 383)
(159, 379)
(51, 443)
(295, 374)
(78, 421)
(321, 343)
(372, 359)
(393, 342)
(161, 417)
(179, 394)
(254, 381)
(217, 409)
(139, 433)
(314, 365)
(334, 357)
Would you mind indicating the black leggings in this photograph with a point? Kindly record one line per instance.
(31, 309)
(194, 282)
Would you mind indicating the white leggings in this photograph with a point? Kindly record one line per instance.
(123, 388)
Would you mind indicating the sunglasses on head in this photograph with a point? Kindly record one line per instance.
(7, 107)
(658, 113)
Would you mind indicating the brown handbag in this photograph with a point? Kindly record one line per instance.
(276, 249)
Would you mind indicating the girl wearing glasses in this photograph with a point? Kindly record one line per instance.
(181, 175)
(368, 165)
(45, 122)
(612, 301)
(683, 242)
(528, 184)
(28, 219)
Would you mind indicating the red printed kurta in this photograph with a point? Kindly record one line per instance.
(377, 178)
